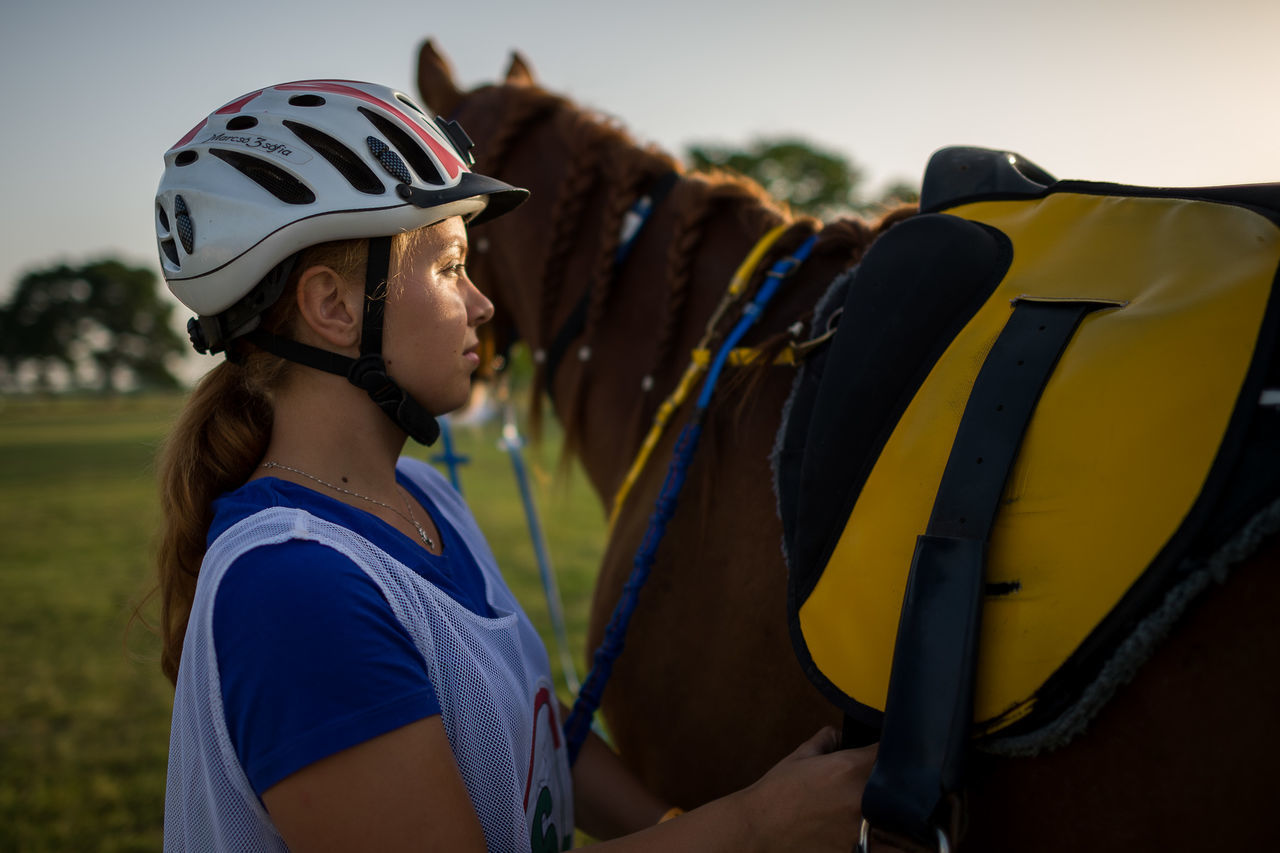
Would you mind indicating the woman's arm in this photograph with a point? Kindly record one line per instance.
(398, 791)
(402, 791)
(608, 800)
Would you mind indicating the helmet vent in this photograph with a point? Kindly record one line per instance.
(186, 228)
(306, 101)
(186, 158)
(411, 105)
(242, 123)
(164, 219)
(269, 176)
(342, 158)
(393, 164)
(408, 148)
(170, 252)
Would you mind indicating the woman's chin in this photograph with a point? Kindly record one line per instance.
(444, 404)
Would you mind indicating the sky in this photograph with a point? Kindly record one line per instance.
(1150, 92)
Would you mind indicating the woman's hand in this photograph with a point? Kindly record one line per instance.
(812, 799)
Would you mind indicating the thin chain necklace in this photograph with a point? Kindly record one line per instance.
(422, 534)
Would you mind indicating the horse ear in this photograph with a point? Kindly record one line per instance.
(435, 80)
(520, 72)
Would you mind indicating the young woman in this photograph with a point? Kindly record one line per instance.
(351, 671)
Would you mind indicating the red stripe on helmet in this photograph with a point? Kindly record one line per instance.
(452, 164)
(238, 104)
(233, 107)
(191, 134)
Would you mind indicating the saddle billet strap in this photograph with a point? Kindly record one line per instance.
(929, 708)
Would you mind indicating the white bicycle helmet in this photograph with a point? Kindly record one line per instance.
(289, 166)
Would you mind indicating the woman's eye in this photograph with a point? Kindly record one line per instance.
(456, 269)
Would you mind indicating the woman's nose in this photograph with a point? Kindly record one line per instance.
(481, 307)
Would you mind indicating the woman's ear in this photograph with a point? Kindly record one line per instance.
(331, 309)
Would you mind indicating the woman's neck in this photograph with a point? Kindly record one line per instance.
(330, 429)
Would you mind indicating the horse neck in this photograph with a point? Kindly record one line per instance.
(657, 309)
(646, 315)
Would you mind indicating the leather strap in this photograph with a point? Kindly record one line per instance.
(378, 268)
(929, 708)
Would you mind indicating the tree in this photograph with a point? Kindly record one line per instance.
(819, 182)
(103, 324)
(899, 192)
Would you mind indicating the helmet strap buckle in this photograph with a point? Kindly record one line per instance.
(201, 341)
(369, 373)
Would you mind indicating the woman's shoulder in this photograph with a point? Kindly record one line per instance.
(251, 498)
(269, 537)
(297, 576)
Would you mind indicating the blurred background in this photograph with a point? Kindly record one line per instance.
(1158, 92)
(1155, 92)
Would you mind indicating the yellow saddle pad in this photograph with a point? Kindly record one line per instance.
(1120, 455)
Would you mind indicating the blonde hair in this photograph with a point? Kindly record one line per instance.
(221, 435)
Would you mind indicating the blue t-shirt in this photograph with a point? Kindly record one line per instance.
(311, 658)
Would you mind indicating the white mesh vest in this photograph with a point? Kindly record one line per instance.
(491, 676)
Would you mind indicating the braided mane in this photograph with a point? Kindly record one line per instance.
(604, 161)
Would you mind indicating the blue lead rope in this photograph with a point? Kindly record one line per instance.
(584, 708)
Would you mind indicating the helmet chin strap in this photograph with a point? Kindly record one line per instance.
(369, 371)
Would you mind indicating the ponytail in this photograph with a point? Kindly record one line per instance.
(218, 441)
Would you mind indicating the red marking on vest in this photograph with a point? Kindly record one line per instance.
(543, 697)
(452, 164)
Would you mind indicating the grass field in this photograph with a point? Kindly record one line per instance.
(84, 710)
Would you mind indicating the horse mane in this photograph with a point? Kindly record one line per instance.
(602, 155)
(605, 159)
(710, 193)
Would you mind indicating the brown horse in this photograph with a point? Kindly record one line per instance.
(708, 693)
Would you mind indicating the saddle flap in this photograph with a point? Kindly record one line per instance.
(1112, 471)
(944, 268)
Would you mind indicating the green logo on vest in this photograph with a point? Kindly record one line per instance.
(543, 837)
